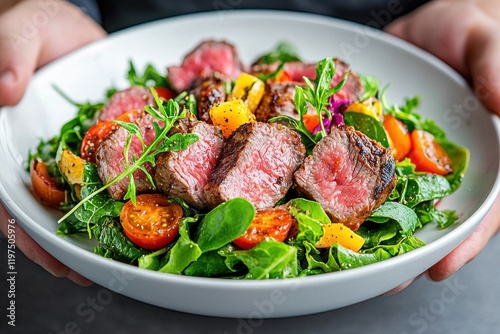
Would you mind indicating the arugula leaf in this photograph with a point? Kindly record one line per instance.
(150, 77)
(269, 259)
(371, 86)
(427, 212)
(310, 217)
(368, 125)
(115, 245)
(99, 206)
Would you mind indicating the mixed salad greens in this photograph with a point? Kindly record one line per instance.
(429, 167)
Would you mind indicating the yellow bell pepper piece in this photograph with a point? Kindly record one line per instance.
(249, 89)
(230, 115)
(336, 233)
(369, 107)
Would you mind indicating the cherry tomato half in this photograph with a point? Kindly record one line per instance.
(153, 222)
(400, 137)
(272, 223)
(93, 138)
(165, 93)
(46, 186)
(428, 155)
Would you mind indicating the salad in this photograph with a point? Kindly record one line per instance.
(275, 170)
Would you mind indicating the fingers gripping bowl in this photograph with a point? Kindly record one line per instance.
(444, 95)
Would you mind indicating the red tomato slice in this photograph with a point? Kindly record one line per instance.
(153, 222)
(93, 138)
(45, 186)
(428, 155)
(165, 93)
(272, 223)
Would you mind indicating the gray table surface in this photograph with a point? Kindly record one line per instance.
(468, 302)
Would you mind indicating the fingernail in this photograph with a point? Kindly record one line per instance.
(7, 77)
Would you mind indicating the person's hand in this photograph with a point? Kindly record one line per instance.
(464, 34)
(32, 34)
(37, 254)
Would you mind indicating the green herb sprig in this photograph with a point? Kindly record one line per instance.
(317, 93)
(168, 115)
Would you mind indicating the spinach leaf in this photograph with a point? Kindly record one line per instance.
(225, 223)
(269, 259)
(185, 251)
(347, 259)
(210, 264)
(403, 215)
(460, 161)
(422, 188)
(368, 125)
(153, 260)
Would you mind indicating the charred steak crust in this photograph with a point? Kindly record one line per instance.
(349, 174)
(184, 174)
(257, 163)
(277, 100)
(208, 92)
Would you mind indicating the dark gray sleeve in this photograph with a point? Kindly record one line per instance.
(90, 7)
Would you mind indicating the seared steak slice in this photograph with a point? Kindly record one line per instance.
(257, 163)
(185, 173)
(277, 100)
(133, 98)
(348, 174)
(110, 158)
(208, 92)
(205, 59)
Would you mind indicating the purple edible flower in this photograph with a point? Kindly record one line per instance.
(336, 108)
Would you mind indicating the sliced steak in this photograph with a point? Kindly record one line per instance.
(208, 92)
(257, 163)
(133, 98)
(205, 59)
(348, 174)
(278, 100)
(185, 173)
(110, 158)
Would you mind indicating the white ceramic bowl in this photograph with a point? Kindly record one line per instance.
(85, 74)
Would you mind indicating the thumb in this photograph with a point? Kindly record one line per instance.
(34, 33)
(484, 66)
